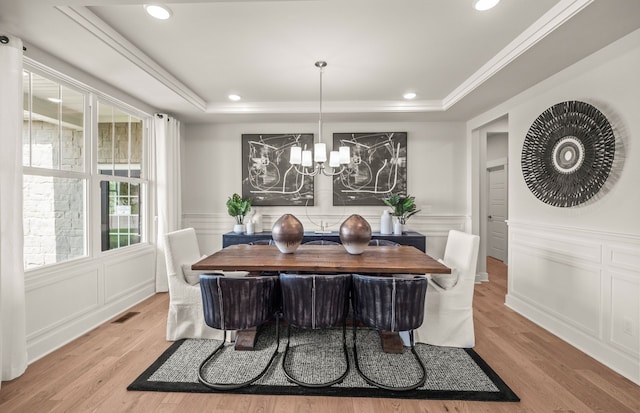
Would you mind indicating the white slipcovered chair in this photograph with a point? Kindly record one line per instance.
(186, 316)
(448, 311)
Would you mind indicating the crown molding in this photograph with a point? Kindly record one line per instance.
(551, 20)
(327, 107)
(96, 26)
(554, 18)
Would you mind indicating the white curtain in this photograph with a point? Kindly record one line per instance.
(13, 342)
(166, 170)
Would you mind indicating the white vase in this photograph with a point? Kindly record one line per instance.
(385, 223)
(238, 228)
(397, 227)
(250, 227)
(257, 222)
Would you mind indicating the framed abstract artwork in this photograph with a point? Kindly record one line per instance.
(267, 176)
(378, 168)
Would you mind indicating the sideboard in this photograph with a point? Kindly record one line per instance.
(414, 239)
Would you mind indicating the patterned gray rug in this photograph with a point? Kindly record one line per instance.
(316, 356)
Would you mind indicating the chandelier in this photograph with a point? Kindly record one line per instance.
(303, 157)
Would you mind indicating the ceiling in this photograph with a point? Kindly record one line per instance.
(460, 62)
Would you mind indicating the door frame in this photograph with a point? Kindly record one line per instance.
(477, 195)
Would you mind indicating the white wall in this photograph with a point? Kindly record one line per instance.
(497, 146)
(436, 164)
(576, 271)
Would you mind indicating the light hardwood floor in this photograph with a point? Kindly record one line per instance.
(91, 373)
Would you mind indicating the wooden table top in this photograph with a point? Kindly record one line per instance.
(322, 258)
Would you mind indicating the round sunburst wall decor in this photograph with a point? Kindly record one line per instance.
(568, 154)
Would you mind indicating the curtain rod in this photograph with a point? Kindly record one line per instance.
(5, 40)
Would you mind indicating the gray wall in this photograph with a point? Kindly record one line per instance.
(437, 153)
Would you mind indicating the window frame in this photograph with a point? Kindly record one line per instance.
(143, 181)
(90, 174)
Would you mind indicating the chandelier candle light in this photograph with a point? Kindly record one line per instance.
(301, 157)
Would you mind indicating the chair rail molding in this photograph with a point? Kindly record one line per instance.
(582, 285)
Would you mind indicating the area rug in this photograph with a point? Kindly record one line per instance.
(316, 356)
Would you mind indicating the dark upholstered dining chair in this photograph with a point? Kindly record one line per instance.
(321, 242)
(238, 304)
(315, 301)
(269, 241)
(389, 304)
(383, 243)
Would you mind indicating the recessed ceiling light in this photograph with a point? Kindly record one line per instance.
(158, 11)
(235, 98)
(483, 5)
(54, 100)
(409, 95)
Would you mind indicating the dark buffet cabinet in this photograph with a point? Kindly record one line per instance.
(414, 239)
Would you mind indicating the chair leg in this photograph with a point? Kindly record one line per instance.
(317, 385)
(372, 382)
(234, 386)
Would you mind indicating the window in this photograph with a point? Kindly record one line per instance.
(53, 135)
(55, 178)
(120, 146)
(59, 171)
(122, 200)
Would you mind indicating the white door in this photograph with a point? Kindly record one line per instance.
(496, 225)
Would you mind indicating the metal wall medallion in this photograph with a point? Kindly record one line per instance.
(568, 154)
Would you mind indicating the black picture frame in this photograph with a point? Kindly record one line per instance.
(267, 176)
(377, 169)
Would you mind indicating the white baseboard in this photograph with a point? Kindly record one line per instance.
(482, 277)
(618, 361)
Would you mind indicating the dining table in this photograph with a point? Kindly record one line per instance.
(379, 260)
(322, 258)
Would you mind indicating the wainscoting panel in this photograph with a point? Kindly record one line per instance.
(210, 227)
(569, 291)
(623, 258)
(551, 244)
(625, 301)
(56, 301)
(125, 275)
(67, 300)
(583, 286)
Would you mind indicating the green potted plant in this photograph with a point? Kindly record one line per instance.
(238, 207)
(404, 207)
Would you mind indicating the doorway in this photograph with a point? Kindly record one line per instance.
(489, 151)
(497, 196)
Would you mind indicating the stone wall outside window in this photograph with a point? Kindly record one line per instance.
(53, 209)
(54, 215)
